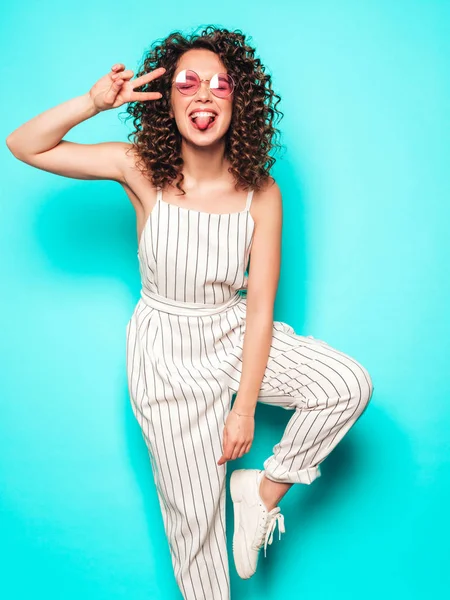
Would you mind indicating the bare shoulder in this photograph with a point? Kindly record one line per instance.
(267, 203)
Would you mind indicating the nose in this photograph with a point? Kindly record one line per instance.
(204, 91)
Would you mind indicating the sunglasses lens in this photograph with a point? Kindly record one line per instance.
(222, 85)
(187, 82)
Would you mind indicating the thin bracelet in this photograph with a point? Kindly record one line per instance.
(242, 415)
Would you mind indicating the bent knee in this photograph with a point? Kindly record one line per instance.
(361, 387)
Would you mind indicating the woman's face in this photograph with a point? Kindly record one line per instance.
(206, 64)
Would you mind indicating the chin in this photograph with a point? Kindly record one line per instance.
(203, 139)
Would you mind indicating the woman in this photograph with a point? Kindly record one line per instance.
(197, 174)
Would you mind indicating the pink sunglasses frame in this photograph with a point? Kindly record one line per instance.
(209, 81)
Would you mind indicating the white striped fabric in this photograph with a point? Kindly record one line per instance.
(184, 362)
(194, 256)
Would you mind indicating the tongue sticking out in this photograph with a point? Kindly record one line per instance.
(203, 122)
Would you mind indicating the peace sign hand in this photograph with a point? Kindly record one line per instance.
(115, 88)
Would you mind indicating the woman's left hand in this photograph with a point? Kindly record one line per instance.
(238, 435)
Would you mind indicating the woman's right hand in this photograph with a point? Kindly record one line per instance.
(115, 88)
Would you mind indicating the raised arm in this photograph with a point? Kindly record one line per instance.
(39, 142)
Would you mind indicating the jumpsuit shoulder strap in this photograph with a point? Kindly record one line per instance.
(249, 200)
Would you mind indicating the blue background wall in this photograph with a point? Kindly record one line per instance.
(366, 92)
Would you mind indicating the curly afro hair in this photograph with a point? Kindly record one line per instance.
(251, 135)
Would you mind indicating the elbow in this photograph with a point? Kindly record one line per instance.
(261, 305)
(14, 151)
(262, 313)
(10, 145)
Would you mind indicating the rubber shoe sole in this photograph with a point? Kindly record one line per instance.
(241, 559)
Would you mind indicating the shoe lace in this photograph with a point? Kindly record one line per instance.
(273, 518)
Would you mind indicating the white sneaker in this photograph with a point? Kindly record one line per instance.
(253, 523)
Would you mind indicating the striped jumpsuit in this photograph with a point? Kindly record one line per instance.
(184, 357)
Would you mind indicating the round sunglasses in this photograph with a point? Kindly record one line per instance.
(188, 83)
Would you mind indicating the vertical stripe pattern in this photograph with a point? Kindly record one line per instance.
(193, 256)
(327, 389)
(184, 361)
